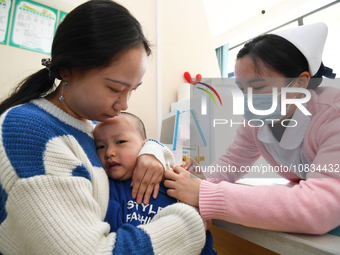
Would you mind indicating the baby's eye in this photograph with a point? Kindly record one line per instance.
(120, 142)
(99, 147)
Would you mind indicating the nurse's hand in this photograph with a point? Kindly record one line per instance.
(193, 167)
(189, 163)
(146, 178)
(182, 185)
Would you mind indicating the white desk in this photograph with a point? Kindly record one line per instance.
(284, 243)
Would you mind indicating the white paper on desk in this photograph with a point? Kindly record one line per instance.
(263, 181)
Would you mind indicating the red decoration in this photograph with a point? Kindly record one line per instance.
(187, 77)
(198, 77)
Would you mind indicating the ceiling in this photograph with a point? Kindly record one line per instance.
(222, 15)
(236, 16)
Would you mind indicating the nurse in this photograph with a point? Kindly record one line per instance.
(289, 58)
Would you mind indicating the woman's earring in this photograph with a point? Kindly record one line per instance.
(61, 98)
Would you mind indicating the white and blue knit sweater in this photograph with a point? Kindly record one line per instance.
(54, 193)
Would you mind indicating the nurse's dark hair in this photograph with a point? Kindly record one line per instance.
(139, 124)
(93, 35)
(279, 54)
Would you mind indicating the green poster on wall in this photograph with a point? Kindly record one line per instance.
(61, 16)
(5, 13)
(33, 26)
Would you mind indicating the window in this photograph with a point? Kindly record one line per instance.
(231, 60)
(330, 15)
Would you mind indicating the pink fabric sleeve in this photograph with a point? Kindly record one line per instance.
(312, 206)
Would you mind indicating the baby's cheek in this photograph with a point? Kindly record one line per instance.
(131, 160)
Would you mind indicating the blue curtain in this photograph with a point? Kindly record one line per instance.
(222, 58)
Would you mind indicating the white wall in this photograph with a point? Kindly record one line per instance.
(15, 63)
(186, 46)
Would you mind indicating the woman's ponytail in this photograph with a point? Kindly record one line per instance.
(32, 87)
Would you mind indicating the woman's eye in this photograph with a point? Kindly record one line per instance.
(115, 90)
(257, 88)
(99, 147)
(120, 142)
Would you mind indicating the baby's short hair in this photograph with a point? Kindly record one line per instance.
(140, 124)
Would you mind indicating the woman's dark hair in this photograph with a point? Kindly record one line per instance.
(279, 54)
(91, 36)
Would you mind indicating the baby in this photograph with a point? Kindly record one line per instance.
(118, 142)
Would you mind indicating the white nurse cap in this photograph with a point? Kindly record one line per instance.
(310, 40)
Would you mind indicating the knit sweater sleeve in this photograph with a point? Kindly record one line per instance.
(54, 198)
(160, 151)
